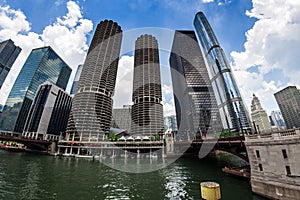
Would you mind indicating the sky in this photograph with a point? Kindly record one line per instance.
(260, 38)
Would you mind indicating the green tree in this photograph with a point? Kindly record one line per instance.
(112, 137)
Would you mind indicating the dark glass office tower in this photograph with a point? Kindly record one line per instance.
(43, 64)
(195, 103)
(288, 100)
(8, 55)
(76, 80)
(91, 112)
(50, 110)
(233, 112)
(147, 110)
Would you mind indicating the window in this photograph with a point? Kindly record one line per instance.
(257, 154)
(260, 167)
(288, 170)
(284, 154)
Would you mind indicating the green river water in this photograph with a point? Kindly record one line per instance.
(25, 176)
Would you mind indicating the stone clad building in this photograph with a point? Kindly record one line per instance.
(274, 160)
(259, 116)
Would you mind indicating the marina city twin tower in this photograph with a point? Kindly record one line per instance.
(91, 112)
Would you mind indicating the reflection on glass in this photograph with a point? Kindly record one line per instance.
(232, 110)
(42, 65)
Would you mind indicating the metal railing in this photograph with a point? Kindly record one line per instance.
(31, 135)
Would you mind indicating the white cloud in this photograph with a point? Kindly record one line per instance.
(167, 89)
(74, 14)
(123, 89)
(12, 22)
(168, 100)
(169, 107)
(224, 2)
(207, 1)
(272, 43)
(255, 84)
(67, 36)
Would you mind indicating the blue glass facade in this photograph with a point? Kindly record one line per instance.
(233, 113)
(42, 65)
(76, 80)
(8, 55)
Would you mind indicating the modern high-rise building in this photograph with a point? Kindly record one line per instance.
(288, 101)
(259, 116)
(42, 65)
(170, 123)
(8, 55)
(232, 109)
(76, 80)
(91, 112)
(147, 110)
(195, 103)
(50, 110)
(277, 119)
(121, 118)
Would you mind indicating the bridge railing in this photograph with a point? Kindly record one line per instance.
(40, 136)
(10, 133)
(276, 135)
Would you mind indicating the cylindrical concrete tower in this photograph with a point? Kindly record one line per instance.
(91, 112)
(147, 110)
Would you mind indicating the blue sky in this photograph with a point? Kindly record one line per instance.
(228, 20)
(250, 32)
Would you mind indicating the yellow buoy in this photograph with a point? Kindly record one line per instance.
(210, 190)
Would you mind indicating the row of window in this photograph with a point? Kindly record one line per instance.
(287, 169)
(285, 156)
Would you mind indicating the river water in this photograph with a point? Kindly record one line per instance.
(25, 176)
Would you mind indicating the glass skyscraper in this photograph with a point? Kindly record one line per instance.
(195, 103)
(232, 109)
(76, 80)
(8, 55)
(147, 110)
(277, 119)
(91, 112)
(50, 110)
(288, 100)
(170, 123)
(43, 64)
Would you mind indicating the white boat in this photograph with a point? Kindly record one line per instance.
(84, 156)
(68, 155)
(153, 155)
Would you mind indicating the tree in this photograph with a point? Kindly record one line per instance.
(112, 137)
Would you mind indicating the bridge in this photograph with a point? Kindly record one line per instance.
(234, 145)
(42, 142)
(31, 140)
